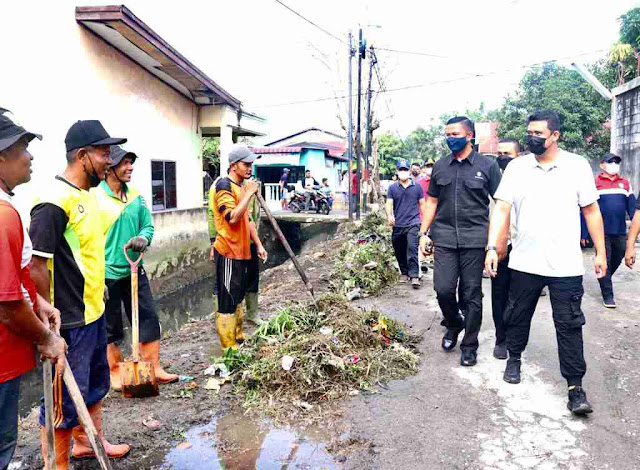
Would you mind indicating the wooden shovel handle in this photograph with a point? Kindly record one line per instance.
(85, 418)
(47, 380)
(133, 264)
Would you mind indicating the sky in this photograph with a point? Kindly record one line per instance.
(268, 57)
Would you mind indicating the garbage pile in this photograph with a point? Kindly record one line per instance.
(303, 357)
(366, 263)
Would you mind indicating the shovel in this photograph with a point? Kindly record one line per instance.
(138, 378)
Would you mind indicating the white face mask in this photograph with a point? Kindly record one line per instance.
(612, 168)
(428, 171)
(403, 175)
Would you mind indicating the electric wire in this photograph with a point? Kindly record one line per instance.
(422, 85)
(311, 22)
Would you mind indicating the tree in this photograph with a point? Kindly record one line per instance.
(620, 54)
(390, 150)
(210, 148)
(583, 110)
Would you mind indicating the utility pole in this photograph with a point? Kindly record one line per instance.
(361, 53)
(350, 130)
(367, 155)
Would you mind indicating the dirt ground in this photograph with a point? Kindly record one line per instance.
(188, 351)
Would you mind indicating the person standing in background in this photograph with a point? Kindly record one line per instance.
(616, 201)
(284, 189)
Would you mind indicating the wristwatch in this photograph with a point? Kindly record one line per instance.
(423, 234)
(491, 248)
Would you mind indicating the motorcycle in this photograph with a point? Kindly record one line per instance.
(318, 202)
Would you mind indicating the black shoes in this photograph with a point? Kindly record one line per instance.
(578, 403)
(500, 351)
(512, 371)
(450, 339)
(468, 358)
(415, 283)
(609, 302)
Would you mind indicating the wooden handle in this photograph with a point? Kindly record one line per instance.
(287, 247)
(47, 380)
(85, 418)
(135, 325)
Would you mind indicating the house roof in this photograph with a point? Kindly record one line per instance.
(334, 151)
(118, 26)
(302, 132)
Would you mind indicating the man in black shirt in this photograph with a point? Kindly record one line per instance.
(458, 215)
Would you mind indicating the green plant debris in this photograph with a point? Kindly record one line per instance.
(335, 351)
(366, 261)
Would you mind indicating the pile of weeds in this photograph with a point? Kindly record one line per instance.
(366, 260)
(303, 357)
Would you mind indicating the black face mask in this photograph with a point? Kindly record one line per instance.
(94, 179)
(415, 172)
(503, 161)
(536, 144)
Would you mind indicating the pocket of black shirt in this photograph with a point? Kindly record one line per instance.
(474, 184)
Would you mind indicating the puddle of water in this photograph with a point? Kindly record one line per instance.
(235, 441)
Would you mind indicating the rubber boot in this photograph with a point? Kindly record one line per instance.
(114, 356)
(62, 446)
(240, 334)
(251, 300)
(150, 352)
(226, 325)
(81, 445)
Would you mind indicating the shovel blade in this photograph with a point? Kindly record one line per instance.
(138, 380)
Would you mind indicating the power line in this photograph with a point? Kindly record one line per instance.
(438, 82)
(425, 54)
(311, 22)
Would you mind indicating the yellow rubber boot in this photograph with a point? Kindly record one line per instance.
(240, 334)
(226, 325)
(251, 300)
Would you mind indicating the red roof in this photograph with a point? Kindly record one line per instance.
(263, 150)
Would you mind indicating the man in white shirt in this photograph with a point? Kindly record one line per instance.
(547, 190)
(309, 183)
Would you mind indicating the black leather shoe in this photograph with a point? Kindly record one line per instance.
(500, 351)
(450, 339)
(512, 371)
(578, 403)
(468, 358)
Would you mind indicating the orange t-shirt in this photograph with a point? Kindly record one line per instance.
(232, 240)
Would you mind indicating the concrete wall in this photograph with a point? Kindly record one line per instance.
(60, 72)
(179, 254)
(625, 130)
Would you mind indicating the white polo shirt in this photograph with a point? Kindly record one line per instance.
(547, 201)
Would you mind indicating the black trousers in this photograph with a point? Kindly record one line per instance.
(119, 296)
(253, 270)
(405, 242)
(464, 265)
(499, 296)
(566, 299)
(615, 246)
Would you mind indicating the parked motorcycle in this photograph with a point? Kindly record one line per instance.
(318, 203)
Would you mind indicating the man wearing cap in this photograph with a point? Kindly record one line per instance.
(68, 268)
(127, 223)
(284, 189)
(232, 250)
(616, 200)
(25, 317)
(405, 205)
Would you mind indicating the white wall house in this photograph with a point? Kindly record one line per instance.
(69, 63)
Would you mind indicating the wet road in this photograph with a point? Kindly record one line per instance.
(450, 417)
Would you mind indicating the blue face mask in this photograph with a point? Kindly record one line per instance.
(456, 144)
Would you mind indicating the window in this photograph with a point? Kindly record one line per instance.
(163, 185)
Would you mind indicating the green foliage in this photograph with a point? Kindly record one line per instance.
(210, 148)
(630, 27)
(390, 150)
(561, 89)
(425, 143)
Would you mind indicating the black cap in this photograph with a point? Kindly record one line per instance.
(11, 131)
(85, 133)
(118, 154)
(610, 157)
